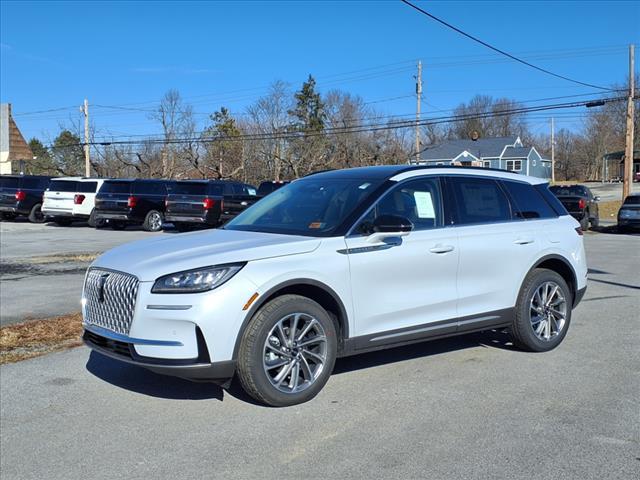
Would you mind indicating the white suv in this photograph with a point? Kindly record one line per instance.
(71, 198)
(338, 263)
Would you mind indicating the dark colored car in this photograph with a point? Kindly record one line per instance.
(22, 195)
(579, 202)
(125, 202)
(207, 203)
(629, 213)
(265, 188)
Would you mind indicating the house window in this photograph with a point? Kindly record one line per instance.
(514, 165)
(486, 164)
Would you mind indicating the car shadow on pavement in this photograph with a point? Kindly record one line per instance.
(490, 338)
(139, 380)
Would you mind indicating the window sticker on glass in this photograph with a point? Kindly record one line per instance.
(424, 204)
(364, 186)
(315, 225)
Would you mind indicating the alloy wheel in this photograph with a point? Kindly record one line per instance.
(295, 352)
(548, 311)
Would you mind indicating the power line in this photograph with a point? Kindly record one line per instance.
(495, 49)
(286, 134)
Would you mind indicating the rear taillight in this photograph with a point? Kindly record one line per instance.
(20, 195)
(208, 203)
(78, 199)
(132, 202)
(581, 204)
(579, 231)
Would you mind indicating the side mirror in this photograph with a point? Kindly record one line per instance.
(596, 198)
(386, 226)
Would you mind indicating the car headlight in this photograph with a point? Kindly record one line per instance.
(198, 280)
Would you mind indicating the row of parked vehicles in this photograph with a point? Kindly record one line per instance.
(117, 203)
(188, 204)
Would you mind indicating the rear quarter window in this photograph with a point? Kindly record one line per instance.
(115, 187)
(9, 182)
(527, 203)
(189, 188)
(551, 199)
(31, 183)
(150, 188)
(87, 187)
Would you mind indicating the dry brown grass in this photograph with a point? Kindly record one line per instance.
(609, 210)
(65, 257)
(38, 337)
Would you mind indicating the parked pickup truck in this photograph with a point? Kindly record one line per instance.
(579, 202)
(22, 195)
(207, 203)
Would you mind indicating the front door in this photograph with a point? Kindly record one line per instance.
(404, 288)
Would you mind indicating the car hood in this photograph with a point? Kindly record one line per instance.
(151, 258)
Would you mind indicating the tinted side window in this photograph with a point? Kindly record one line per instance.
(479, 200)
(62, 186)
(228, 189)
(115, 187)
(417, 200)
(215, 189)
(87, 187)
(544, 190)
(527, 202)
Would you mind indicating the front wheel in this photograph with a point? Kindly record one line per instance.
(153, 221)
(543, 311)
(287, 351)
(36, 215)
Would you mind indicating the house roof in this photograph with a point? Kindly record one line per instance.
(516, 152)
(11, 140)
(483, 147)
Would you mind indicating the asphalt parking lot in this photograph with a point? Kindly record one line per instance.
(43, 266)
(468, 407)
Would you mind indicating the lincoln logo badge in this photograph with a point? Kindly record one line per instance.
(103, 279)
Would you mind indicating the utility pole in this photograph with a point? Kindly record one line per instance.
(418, 97)
(628, 151)
(87, 165)
(553, 153)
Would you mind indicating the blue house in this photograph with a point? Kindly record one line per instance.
(506, 153)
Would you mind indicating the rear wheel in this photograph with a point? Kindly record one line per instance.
(153, 221)
(35, 215)
(93, 222)
(595, 222)
(584, 223)
(287, 351)
(543, 311)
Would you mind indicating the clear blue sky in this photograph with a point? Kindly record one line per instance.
(54, 54)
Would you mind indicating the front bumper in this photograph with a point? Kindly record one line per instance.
(579, 296)
(121, 347)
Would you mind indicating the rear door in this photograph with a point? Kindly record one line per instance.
(495, 250)
(113, 196)
(58, 198)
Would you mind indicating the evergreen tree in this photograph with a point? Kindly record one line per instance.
(67, 154)
(42, 163)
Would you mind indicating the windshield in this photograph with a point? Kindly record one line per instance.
(569, 190)
(311, 207)
(115, 187)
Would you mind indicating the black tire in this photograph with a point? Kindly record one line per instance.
(251, 371)
(62, 222)
(584, 223)
(35, 215)
(595, 222)
(523, 330)
(153, 221)
(117, 225)
(93, 222)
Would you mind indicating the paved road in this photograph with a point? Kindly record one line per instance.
(469, 407)
(39, 275)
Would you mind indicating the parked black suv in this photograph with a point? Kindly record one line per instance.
(265, 188)
(22, 195)
(125, 202)
(579, 202)
(207, 202)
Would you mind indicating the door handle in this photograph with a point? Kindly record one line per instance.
(441, 249)
(523, 241)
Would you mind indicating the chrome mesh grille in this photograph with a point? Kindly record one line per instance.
(110, 299)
